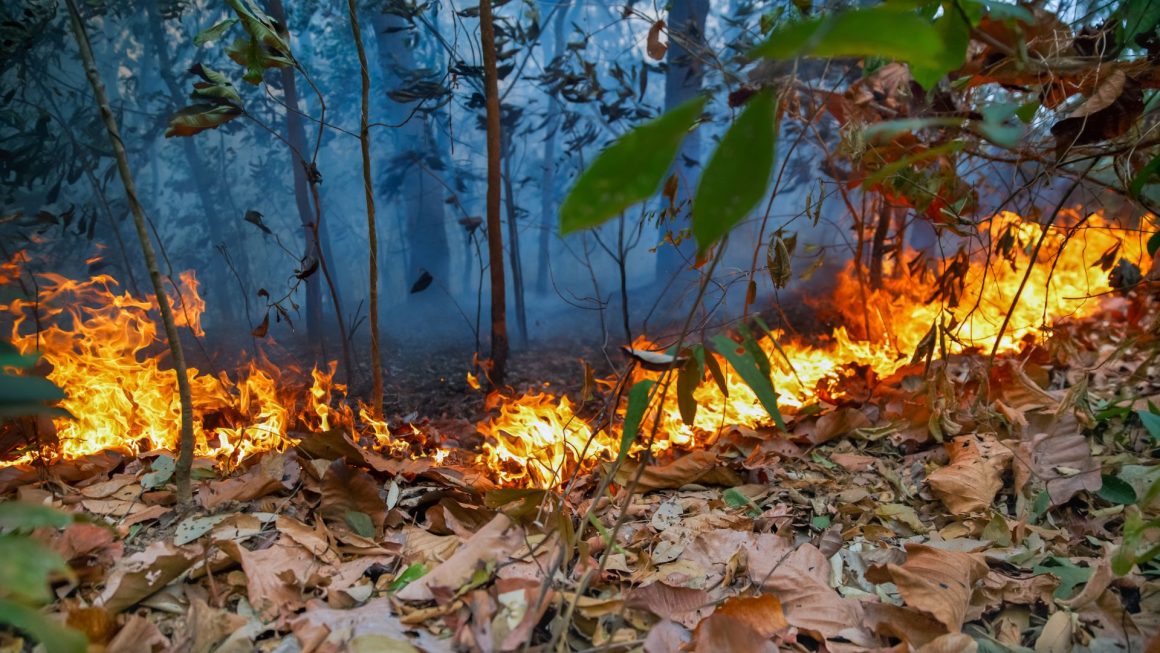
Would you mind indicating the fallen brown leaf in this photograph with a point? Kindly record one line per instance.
(495, 540)
(973, 477)
(347, 493)
(935, 581)
(140, 575)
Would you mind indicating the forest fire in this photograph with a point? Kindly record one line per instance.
(102, 346)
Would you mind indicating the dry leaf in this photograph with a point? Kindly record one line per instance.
(666, 601)
(348, 492)
(495, 540)
(1049, 458)
(138, 635)
(666, 637)
(656, 49)
(935, 581)
(276, 577)
(699, 466)
(141, 574)
(950, 643)
(1056, 634)
(741, 625)
(969, 484)
(837, 423)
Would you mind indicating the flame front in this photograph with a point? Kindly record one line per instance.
(102, 346)
(1066, 282)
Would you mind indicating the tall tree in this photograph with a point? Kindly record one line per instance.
(364, 137)
(416, 155)
(185, 453)
(499, 337)
(683, 80)
(296, 137)
(548, 201)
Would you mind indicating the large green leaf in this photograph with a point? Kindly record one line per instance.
(26, 566)
(746, 366)
(197, 118)
(629, 171)
(10, 356)
(736, 177)
(1145, 176)
(893, 31)
(25, 516)
(633, 415)
(53, 635)
(955, 33)
(16, 389)
(1151, 423)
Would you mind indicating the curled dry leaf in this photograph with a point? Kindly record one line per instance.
(666, 637)
(141, 574)
(350, 496)
(656, 49)
(495, 540)
(698, 466)
(272, 473)
(276, 577)
(936, 581)
(1061, 461)
(837, 423)
(975, 474)
(801, 582)
(740, 625)
(666, 601)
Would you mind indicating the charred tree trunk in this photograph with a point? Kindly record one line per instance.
(364, 137)
(548, 173)
(686, 72)
(185, 453)
(514, 241)
(499, 338)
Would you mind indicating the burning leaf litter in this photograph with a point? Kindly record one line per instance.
(852, 530)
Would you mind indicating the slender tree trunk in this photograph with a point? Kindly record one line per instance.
(185, 454)
(202, 183)
(499, 338)
(514, 242)
(296, 136)
(683, 80)
(364, 137)
(548, 174)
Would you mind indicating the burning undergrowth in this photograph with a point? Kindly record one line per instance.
(100, 344)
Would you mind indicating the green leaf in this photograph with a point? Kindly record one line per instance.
(409, 575)
(15, 389)
(214, 33)
(1026, 112)
(1139, 17)
(629, 171)
(687, 381)
(1145, 176)
(1151, 423)
(736, 177)
(1006, 11)
(215, 87)
(360, 523)
(1069, 574)
(955, 34)
(633, 415)
(54, 636)
(820, 522)
(197, 118)
(1115, 490)
(10, 356)
(746, 367)
(1153, 244)
(717, 373)
(161, 471)
(891, 31)
(1140, 545)
(996, 125)
(23, 516)
(26, 566)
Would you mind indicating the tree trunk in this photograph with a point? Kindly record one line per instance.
(548, 173)
(686, 71)
(185, 453)
(422, 207)
(216, 279)
(499, 338)
(296, 136)
(514, 242)
(364, 137)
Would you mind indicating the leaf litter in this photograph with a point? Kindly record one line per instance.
(856, 529)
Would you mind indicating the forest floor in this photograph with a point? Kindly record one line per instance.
(856, 531)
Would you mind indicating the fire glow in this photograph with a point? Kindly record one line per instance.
(102, 346)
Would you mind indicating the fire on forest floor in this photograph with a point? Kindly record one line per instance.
(847, 533)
